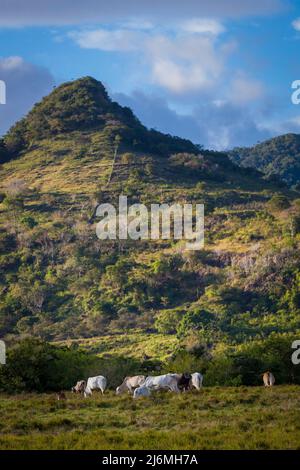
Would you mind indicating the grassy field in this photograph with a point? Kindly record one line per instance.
(215, 418)
(133, 344)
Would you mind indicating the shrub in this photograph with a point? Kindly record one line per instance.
(28, 221)
(279, 202)
(34, 365)
(167, 320)
(243, 365)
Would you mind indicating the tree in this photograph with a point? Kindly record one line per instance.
(294, 225)
(279, 202)
(4, 154)
(34, 365)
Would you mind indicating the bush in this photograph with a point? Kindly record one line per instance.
(37, 366)
(28, 221)
(34, 365)
(167, 320)
(279, 202)
(244, 365)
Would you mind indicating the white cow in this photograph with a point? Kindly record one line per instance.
(95, 383)
(268, 379)
(197, 380)
(157, 382)
(141, 392)
(130, 383)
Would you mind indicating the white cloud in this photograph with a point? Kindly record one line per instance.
(11, 63)
(283, 126)
(108, 40)
(296, 24)
(245, 90)
(178, 63)
(203, 25)
(184, 64)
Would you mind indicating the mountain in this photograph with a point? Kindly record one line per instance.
(83, 105)
(58, 281)
(277, 157)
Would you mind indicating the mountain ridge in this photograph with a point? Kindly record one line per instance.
(276, 157)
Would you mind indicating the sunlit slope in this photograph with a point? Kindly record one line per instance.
(77, 149)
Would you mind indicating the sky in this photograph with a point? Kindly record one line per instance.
(218, 72)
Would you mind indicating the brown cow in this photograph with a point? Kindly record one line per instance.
(61, 396)
(79, 387)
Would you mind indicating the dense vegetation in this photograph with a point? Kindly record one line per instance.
(58, 282)
(36, 366)
(83, 105)
(278, 158)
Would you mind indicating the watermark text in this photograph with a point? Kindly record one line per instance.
(2, 92)
(2, 352)
(296, 353)
(177, 221)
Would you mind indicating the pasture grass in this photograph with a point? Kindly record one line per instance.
(215, 418)
(133, 344)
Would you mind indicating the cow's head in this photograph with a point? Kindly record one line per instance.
(187, 376)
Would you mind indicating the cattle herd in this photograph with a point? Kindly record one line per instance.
(142, 386)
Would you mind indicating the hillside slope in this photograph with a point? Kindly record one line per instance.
(279, 157)
(77, 148)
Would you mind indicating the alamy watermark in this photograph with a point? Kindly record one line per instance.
(178, 221)
(295, 97)
(2, 352)
(2, 92)
(296, 353)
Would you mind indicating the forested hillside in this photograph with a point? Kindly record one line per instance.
(277, 158)
(58, 281)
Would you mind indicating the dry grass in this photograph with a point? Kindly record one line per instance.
(215, 418)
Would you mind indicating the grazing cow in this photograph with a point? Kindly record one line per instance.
(141, 392)
(61, 396)
(158, 382)
(79, 387)
(184, 381)
(95, 383)
(130, 383)
(268, 379)
(197, 380)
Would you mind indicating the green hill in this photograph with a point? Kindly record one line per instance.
(277, 157)
(84, 106)
(76, 149)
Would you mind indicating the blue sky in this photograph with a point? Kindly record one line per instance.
(218, 72)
